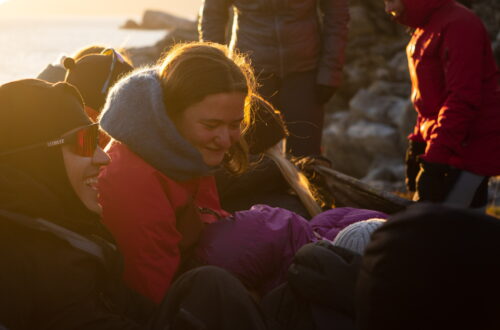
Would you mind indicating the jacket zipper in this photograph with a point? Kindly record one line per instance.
(278, 39)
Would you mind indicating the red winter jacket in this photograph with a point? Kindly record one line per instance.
(454, 86)
(139, 207)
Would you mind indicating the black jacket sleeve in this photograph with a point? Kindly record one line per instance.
(334, 41)
(214, 16)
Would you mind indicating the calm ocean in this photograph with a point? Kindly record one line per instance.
(28, 45)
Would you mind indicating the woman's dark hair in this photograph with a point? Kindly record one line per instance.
(268, 126)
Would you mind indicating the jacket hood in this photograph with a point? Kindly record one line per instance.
(135, 115)
(418, 12)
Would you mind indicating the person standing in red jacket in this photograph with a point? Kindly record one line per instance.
(172, 126)
(455, 145)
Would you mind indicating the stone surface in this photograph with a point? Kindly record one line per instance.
(381, 108)
(360, 23)
(141, 56)
(154, 19)
(130, 24)
(346, 157)
(373, 138)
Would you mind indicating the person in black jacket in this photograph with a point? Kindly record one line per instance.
(431, 267)
(297, 48)
(59, 266)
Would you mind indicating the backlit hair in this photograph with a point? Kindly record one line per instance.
(190, 72)
(295, 178)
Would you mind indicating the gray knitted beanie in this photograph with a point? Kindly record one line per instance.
(356, 236)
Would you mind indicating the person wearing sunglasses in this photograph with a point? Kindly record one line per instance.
(60, 268)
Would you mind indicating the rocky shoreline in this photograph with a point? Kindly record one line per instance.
(158, 20)
(370, 116)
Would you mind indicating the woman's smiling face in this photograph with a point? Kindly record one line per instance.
(82, 174)
(213, 125)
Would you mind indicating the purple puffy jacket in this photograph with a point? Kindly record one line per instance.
(258, 245)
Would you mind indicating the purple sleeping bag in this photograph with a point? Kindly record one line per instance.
(258, 245)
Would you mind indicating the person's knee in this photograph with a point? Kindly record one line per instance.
(210, 274)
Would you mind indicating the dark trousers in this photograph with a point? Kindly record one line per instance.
(208, 298)
(296, 97)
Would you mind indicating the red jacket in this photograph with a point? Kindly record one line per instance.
(139, 206)
(454, 86)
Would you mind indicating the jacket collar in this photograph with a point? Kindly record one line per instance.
(418, 12)
(135, 115)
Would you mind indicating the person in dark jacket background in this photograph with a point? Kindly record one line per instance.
(59, 266)
(431, 267)
(297, 48)
(455, 90)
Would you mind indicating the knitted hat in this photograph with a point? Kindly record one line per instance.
(356, 236)
(94, 74)
(34, 111)
(431, 267)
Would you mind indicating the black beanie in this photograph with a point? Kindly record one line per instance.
(34, 181)
(432, 267)
(34, 111)
(89, 75)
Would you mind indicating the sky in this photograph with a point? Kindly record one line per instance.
(132, 8)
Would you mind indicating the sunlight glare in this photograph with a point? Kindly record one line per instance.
(3, 1)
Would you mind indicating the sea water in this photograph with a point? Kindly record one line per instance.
(28, 45)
